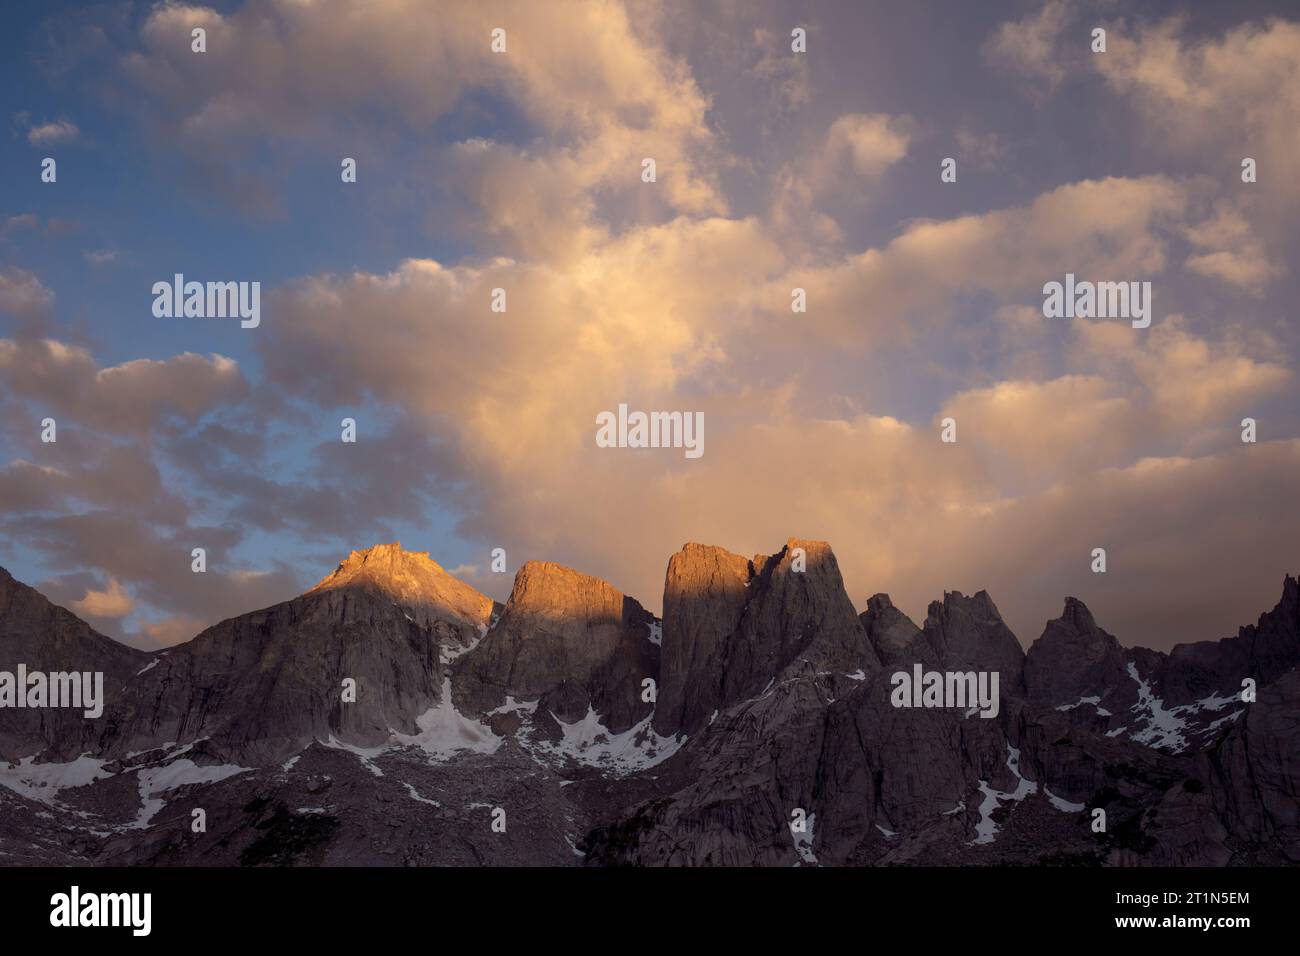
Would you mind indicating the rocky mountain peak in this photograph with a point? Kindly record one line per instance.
(1075, 660)
(572, 641)
(1077, 613)
(968, 632)
(412, 580)
(45, 637)
(547, 587)
(731, 627)
(891, 632)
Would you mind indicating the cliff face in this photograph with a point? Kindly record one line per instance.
(571, 642)
(49, 639)
(733, 627)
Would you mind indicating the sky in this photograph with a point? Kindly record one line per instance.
(522, 170)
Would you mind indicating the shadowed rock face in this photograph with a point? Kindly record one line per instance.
(262, 686)
(1256, 773)
(48, 639)
(967, 633)
(732, 627)
(891, 632)
(1074, 659)
(569, 639)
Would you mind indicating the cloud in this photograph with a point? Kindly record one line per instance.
(1108, 227)
(869, 144)
(133, 396)
(1030, 46)
(1232, 252)
(53, 133)
(1238, 91)
(112, 602)
(100, 257)
(154, 562)
(856, 151)
(1191, 382)
(12, 224)
(604, 95)
(784, 75)
(1048, 429)
(167, 632)
(981, 150)
(23, 296)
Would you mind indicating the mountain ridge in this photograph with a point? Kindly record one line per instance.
(685, 740)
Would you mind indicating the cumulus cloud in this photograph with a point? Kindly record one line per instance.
(1229, 250)
(603, 94)
(1190, 381)
(1239, 92)
(1108, 227)
(26, 298)
(812, 194)
(1035, 429)
(131, 397)
(869, 144)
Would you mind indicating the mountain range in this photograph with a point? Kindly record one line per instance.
(394, 715)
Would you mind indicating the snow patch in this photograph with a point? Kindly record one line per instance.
(512, 706)
(1065, 806)
(803, 842)
(43, 781)
(590, 742)
(445, 731)
(364, 754)
(1163, 727)
(415, 795)
(986, 829)
(1094, 701)
(179, 773)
